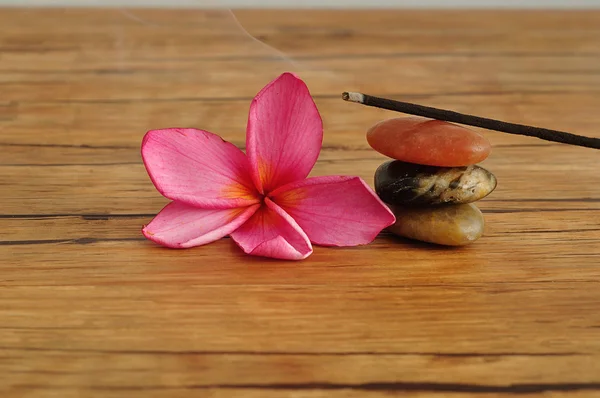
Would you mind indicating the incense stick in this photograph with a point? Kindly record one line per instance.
(470, 120)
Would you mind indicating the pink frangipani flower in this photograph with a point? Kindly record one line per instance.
(262, 199)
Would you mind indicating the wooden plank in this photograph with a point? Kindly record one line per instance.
(84, 188)
(81, 187)
(492, 319)
(316, 34)
(526, 221)
(546, 256)
(109, 126)
(205, 79)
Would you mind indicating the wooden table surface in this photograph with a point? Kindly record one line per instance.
(89, 308)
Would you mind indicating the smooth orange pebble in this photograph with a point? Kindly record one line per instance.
(419, 140)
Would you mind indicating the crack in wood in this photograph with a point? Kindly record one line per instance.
(301, 353)
(394, 386)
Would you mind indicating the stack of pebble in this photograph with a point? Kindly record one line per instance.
(432, 183)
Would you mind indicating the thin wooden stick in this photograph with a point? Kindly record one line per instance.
(470, 120)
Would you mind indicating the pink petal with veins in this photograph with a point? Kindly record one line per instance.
(179, 225)
(272, 233)
(198, 168)
(335, 210)
(284, 133)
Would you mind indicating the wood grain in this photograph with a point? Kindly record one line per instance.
(89, 308)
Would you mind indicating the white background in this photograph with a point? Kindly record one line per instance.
(563, 4)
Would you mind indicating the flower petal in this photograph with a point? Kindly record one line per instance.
(284, 134)
(179, 225)
(198, 168)
(335, 210)
(272, 233)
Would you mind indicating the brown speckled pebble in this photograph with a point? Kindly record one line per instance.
(452, 225)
